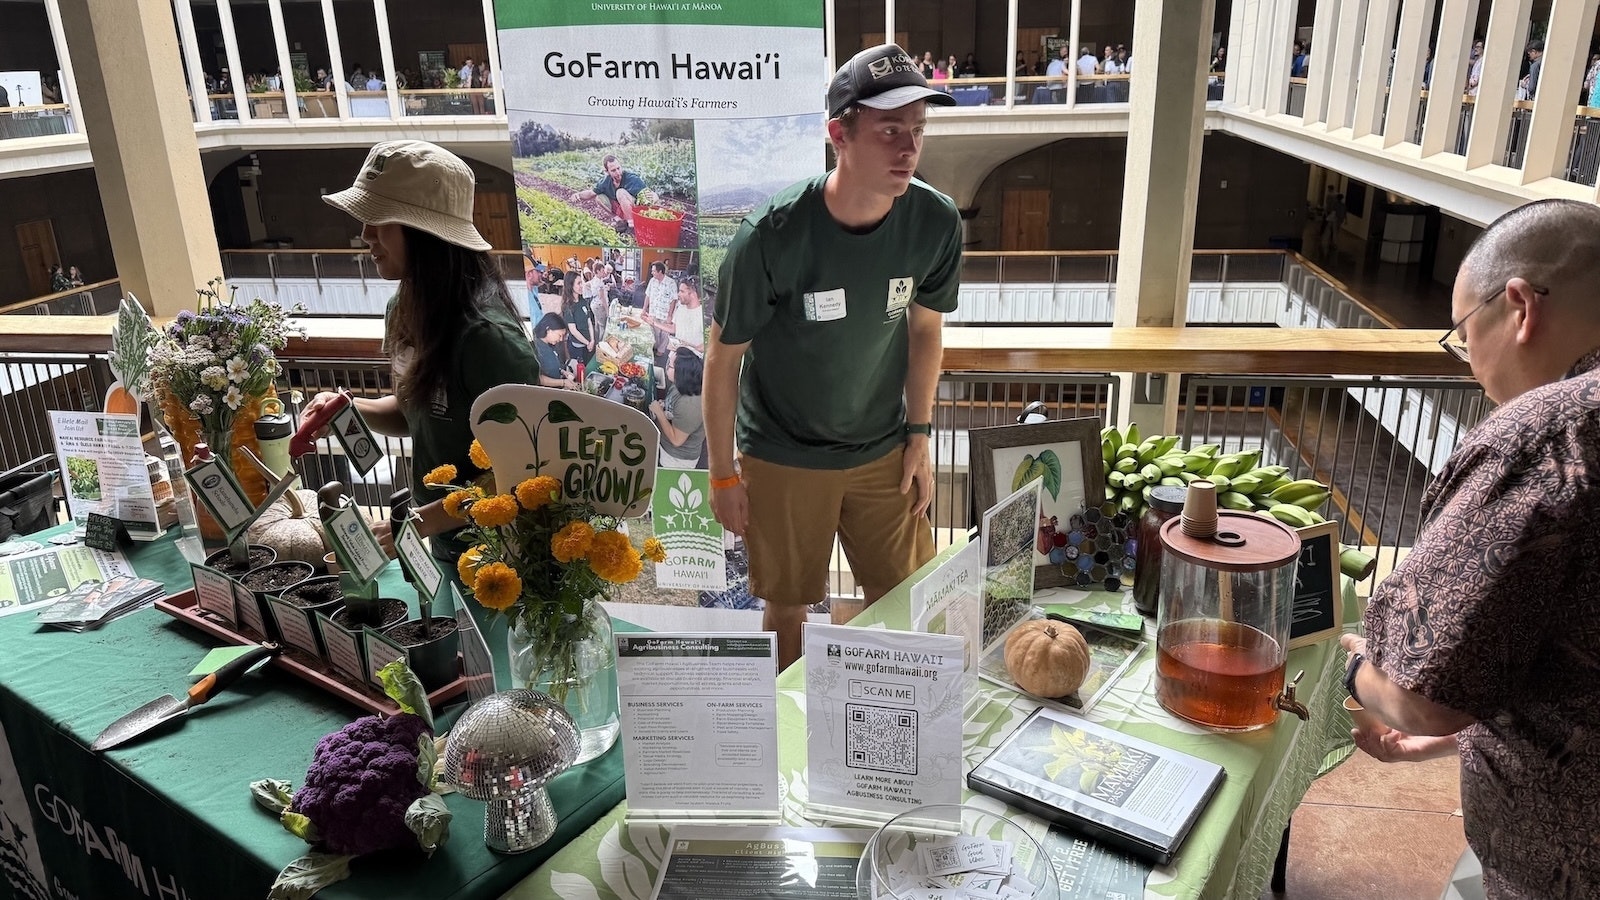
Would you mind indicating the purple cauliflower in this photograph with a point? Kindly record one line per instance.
(362, 779)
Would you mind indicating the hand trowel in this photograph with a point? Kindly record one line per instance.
(165, 709)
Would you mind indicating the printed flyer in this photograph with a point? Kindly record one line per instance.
(103, 470)
(712, 862)
(699, 725)
(36, 580)
(883, 721)
(680, 512)
(641, 135)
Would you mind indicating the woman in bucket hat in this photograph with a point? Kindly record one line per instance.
(451, 330)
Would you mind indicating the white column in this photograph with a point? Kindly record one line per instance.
(230, 46)
(1281, 59)
(1342, 86)
(1262, 53)
(830, 43)
(1241, 58)
(493, 38)
(280, 40)
(1503, 50)
(1324, 46)
(1566, 57)
(386, 49)
(1074, 36)
(888, 25)
(341, 88)
(1373, 84)
(1011, 53)
(1442, 121)
(1234, 91)
(1411, 56)
(69, 81)
(191, 61)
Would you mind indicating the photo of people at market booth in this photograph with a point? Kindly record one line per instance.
(623, 182)
(611, 320)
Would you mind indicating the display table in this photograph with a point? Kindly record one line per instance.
(171, 815)
(1230, 853)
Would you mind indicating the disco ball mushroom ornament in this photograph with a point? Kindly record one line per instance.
(504, 750)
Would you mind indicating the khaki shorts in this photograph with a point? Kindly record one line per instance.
(795, 513)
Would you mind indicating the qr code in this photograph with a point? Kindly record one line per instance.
(879, 738)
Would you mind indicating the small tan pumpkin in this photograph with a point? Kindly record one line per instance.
(288, 527)
(1047, 658)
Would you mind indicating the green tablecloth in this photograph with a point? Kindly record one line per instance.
(171, 816)
(1229, 854)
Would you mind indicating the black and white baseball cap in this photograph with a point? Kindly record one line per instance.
(882, 77)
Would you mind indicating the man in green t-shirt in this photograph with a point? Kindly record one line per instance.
(826, 343)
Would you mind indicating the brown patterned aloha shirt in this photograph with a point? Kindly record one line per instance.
(1496, 614)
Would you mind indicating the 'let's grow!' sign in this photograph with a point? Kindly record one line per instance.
(599, 450)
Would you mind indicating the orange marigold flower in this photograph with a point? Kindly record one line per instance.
(478, 455)
(613, 558)
(536, 492)
(497, 586)
(441, 476)
(467, 564)
(453, 501)
(654, 550)
(572, 542)
(493, 512)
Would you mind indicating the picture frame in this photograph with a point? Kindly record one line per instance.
(1318, 611)
(1074, 480)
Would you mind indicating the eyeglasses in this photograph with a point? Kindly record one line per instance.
(1458, 347)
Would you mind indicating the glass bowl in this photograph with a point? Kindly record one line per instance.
(897, 852)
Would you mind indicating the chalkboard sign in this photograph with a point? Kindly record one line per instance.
(1318, 601)
(104, 532)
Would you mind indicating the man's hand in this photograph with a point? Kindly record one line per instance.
(731, 505)
(1352, 644)
(918, 473)
(576, 196)
(1397, 746)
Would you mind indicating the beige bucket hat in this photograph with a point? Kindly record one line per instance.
(418, 184)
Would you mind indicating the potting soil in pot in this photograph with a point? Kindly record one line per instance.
(393, 611)
(412, 634)
(259, 556)
(313, 594)
(270, 579)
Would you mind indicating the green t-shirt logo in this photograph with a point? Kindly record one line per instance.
(899, 297)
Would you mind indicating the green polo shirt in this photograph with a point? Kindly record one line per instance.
(490, 349)
(824, 311)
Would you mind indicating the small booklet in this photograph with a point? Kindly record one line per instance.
(1109, 656)
(1126, 792)
(719, 862)
(95, 603)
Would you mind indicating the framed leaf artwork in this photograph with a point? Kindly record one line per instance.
(1065, 453)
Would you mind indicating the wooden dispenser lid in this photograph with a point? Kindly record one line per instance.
(1267, 543)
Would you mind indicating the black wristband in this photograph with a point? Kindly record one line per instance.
(1350, 671)
(924, 428)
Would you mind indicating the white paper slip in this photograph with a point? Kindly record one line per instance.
(948, 856)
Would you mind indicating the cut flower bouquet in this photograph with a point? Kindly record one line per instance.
(537, 557)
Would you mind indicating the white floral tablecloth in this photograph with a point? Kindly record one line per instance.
(1229, 854)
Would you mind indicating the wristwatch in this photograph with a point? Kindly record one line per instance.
(1350, 671)
(924, 428)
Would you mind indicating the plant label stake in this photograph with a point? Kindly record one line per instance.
(421, 569)
(360, 557)
(219, 490)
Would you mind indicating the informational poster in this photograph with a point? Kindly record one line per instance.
(883, 721)
(35, 580)
(641, 134)
(680, 511)
(950, 600)
(699, 725)
(103, 470)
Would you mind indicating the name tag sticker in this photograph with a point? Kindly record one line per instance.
(899, 297)
(825, 306)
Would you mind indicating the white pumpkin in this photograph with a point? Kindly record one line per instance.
(291, 527)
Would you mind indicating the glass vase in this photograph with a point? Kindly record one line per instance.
(581, 674)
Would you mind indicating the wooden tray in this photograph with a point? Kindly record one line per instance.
(300, 664)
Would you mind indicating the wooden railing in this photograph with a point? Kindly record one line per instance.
(32, 303)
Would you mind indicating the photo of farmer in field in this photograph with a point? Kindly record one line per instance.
(605, 181)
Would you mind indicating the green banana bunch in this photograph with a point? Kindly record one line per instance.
(1134, 464)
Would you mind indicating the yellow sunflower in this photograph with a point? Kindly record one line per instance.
(536, 492)
(572, 542)
(453, 501)
(478, 455)
(467, 564)
(441, 476)
(613, 558)
(654, 551)
(493, 512)
(497, 586)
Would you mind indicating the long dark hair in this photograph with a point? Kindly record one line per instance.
(688, 372)
(444, 286)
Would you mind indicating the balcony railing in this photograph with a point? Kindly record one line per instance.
(89, 300)
(36, 121)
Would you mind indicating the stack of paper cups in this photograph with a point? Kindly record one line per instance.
(1200, 511)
